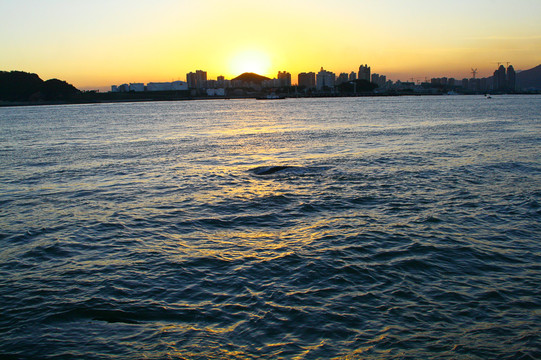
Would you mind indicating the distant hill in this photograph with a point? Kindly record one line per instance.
(251, 77)
(530, 79)
(23, 86)
(55, 89)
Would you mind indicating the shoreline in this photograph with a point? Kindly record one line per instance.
(192, 98)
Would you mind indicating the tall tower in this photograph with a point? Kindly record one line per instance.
(307, 79)
(325, 79)
(196, 80)
(511, 78)
(284, 78)
(364, 72)
(500, 79)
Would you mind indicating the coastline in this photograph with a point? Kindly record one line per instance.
(106, 99)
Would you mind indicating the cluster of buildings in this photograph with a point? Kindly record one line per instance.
(152, 86)
(504, 80)
(327, 80)
(322, 81)
(198, 83)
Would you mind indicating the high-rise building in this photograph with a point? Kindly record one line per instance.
(352, 76)
(325, 79)
(284, 79)
(342, 78)
(364, 72)
(474, 84)
(307, 80)
(220, 82)
(504, 80)
(500, 82)
(483, 84)
(196, 80)
(511, 78)
(379, 80)
(191, 80)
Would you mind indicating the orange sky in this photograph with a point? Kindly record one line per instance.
(99, 43)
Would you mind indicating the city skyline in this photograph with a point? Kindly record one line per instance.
(325, 82)
(99, 44)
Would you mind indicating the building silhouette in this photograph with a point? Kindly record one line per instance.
(511, 78)
(137, 87)
(504, 80)
(379, 80)
(196, 80)
(167, 86)
(342, 78)
(284, 79)
(499, 78)
(307, 80)
(364, 72)
(325, 79)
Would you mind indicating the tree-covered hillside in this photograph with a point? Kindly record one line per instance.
(23, 86)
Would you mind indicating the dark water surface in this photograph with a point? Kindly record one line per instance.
(367, 228)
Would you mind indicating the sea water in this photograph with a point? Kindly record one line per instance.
(386, 228)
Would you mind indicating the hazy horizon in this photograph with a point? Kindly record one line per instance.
(98, 44)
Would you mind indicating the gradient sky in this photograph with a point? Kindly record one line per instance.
(93, 44)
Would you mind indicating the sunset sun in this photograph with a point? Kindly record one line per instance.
(250, 61)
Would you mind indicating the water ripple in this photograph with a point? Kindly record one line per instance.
(385, 236)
